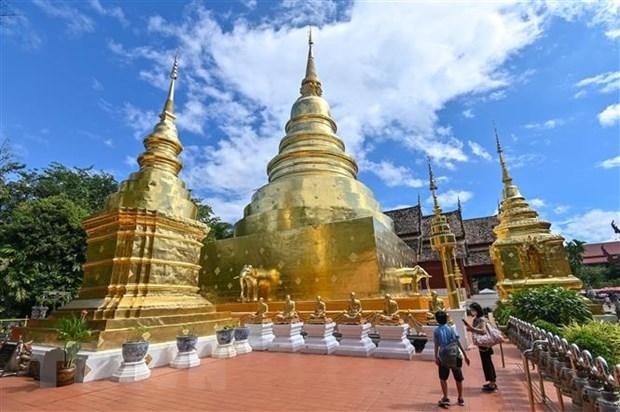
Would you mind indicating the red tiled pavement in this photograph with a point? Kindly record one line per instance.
(263, 381)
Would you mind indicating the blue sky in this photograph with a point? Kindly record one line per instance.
(82, 83)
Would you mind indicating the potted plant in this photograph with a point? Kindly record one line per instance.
(241, 333)
(419, 341)
(135, 349)
(72, 331)
(225, 334)
(186, 341)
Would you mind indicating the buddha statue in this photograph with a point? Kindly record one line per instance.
(353, 314)
(261, 312)
(434, 305)
(289, 314)
(319, 316)
(390, 312)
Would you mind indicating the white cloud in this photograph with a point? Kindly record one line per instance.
(524, 159)
(610, 163)
(305, 12)
(15, 26)
(561, 209)
(108, 142)
(393, 175)
(478, 150)
(606, 82)
(468, 114)
(97, 86)
(130, 161)
(609, 116)
(244, 78)
(591, 226)
(450, 198)
(77, 22)
(613, 34)
(546, 125)
(140, 121)
(114, 12)
(537, 202)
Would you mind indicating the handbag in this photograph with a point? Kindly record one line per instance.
(492, 337)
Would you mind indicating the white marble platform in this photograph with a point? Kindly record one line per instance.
(355, 340)
(457, 316)
(185, 360)
(224, 351)
(93, 365)
(287, 337)
(393, 342)
(428, 353)
(320, 338)
(242, 346)
(261, 335)
(131, 372)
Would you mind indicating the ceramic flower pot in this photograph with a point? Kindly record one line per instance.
(186, 343)
(38, 312)
(419, 343)
(242, 333)
(65, 376)
(134, 351)
(224, 337)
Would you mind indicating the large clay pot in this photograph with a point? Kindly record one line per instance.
(242, 333)
(224, 337)
(65, 376)
(186, 343)
(134, 351)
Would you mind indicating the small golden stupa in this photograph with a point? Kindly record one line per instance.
(143, 252)
(526, 253)
(313, 229)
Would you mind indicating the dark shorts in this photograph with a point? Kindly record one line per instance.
(444, 372)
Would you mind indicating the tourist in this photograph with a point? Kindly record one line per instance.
(449, 356)
(480, 327)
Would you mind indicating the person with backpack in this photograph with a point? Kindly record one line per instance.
(449, 355)
(483, 337)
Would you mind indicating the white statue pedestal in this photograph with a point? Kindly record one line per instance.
(224, 351)
(131, 372)
(320, 338)
(457, 316)
(242, 346)
(355, 340)
(429, 349)
(261, 335)
(393, 342)
(185, 360)
(288, 337)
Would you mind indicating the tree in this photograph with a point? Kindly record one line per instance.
(574, 253)
(43, 247)
(219, 229)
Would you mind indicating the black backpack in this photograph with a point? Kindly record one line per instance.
(449, 354)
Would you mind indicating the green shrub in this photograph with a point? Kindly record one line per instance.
(503, 311)
(549, 327)
(600, 338)
(555, 305)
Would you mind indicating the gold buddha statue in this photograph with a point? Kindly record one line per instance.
(289, 314)
(260, 316)
(319, 316)
(434, 305)
(390, 314)
(353, 314)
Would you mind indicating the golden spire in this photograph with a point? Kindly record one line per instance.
(433, 188)
(505, 175)
(168, 110)
(310, 85)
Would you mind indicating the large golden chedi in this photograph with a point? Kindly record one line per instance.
(314, 226)
(143, 252)
(526, 253)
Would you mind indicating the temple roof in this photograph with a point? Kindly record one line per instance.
(480, 229)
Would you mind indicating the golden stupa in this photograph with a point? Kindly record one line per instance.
(526, 253)
(313, 229)
(143, 253)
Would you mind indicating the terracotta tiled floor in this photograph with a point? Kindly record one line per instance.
(263, 381)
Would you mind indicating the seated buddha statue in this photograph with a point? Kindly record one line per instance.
(319, 316)
(390, 312)
(261, 311)
(434, 305)
(289, 314)
(353, 314)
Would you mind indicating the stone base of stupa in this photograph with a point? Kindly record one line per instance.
(355, 340)
(320, 338)
(287, 337)
(393, 342)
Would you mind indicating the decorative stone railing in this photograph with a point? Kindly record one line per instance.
(590, 383)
